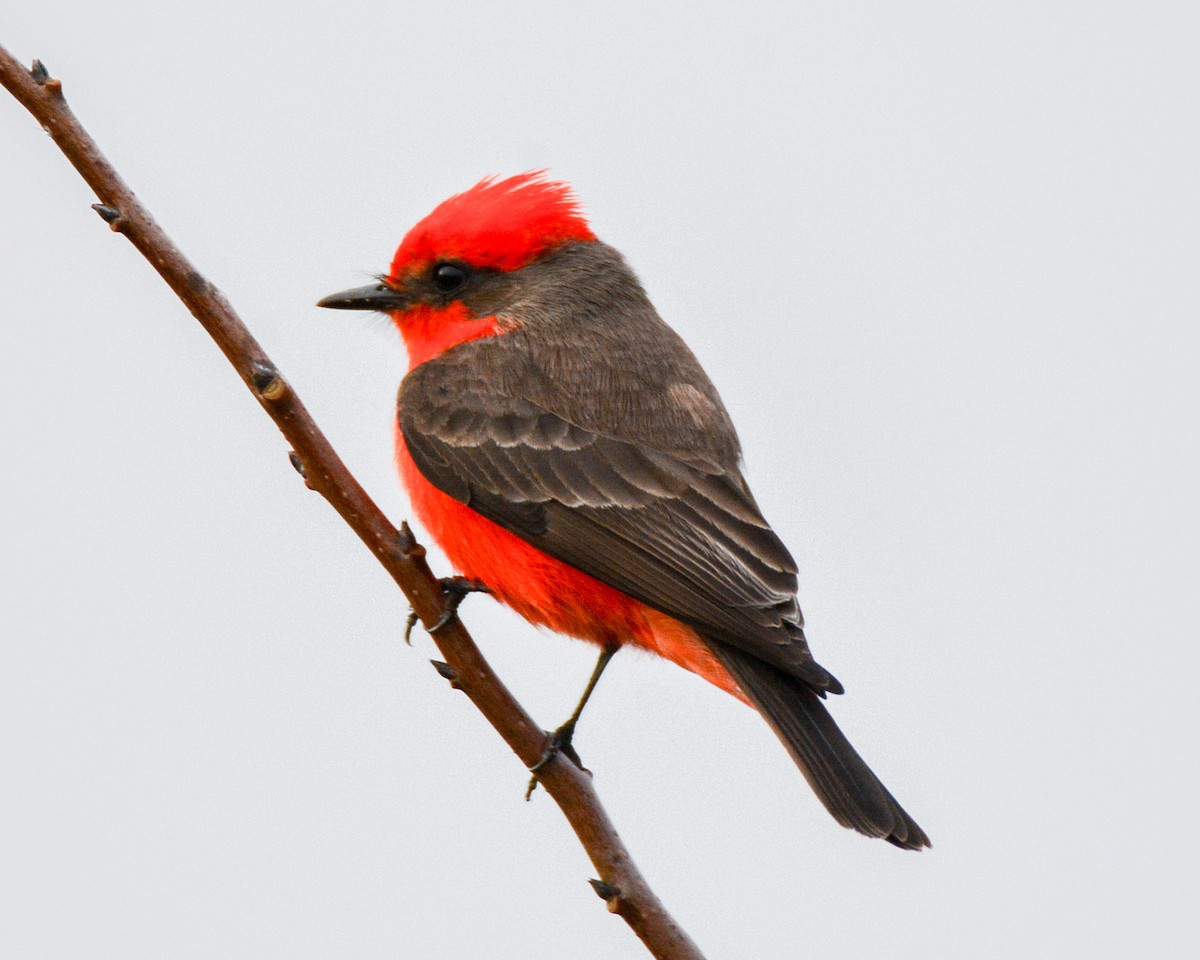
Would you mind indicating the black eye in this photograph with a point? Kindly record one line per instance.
(449, 277)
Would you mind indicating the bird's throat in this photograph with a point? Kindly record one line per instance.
(430, 331)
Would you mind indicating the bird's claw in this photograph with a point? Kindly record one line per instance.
(455, 590)
(557, 742)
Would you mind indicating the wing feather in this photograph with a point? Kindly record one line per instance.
(672, 528)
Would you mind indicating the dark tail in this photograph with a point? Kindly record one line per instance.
(835, 771)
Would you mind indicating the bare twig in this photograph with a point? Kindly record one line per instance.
(621, 885)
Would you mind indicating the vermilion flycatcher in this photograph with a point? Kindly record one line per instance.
(565, 449)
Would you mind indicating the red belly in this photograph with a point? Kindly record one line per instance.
(546, 591)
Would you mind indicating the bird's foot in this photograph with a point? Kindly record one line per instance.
(557, 742)
(454, 590)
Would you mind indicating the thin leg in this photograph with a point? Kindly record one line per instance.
(560, 740)
(569, 727)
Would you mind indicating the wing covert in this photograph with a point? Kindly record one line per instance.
(674, 530)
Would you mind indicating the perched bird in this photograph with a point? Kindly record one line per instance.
(564, 448)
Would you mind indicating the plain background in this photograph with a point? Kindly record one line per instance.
(940, 259)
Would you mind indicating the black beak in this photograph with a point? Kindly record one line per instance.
(377, 296)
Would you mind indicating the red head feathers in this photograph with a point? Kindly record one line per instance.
(504, 224)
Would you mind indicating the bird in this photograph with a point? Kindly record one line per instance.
(565, 449)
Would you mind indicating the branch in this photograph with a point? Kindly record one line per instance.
(621, 884)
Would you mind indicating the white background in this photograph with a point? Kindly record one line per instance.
(940, 259)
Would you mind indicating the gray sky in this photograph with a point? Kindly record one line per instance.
(941, 261)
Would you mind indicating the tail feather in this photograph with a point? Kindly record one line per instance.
(840, 778)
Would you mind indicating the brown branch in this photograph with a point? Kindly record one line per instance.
(621, 885)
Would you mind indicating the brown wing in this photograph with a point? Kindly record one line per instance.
(675, 530)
